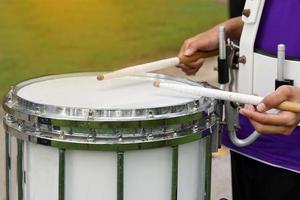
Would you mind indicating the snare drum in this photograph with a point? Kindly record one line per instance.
(78, 138)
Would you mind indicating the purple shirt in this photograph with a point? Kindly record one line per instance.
(280, 23)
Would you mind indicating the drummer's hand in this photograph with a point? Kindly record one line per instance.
(283, 122)
(205, 41)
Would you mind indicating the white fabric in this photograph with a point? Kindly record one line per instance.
(251, 24)
(265, 66)
(87, 92)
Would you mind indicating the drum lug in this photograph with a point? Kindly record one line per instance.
(92, 135)
(150, 114)
(9, 97)
(62, 135)
(20, 125)
(208, 124)
(70, 132)
(150, 136)
(38, 110)
(9, 118)
(36, 127)
(91, 115)
(120, 138)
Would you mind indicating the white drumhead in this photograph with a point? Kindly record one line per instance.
(130, 92)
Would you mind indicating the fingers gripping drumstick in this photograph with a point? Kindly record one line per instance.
(227, 96)
(160, 64)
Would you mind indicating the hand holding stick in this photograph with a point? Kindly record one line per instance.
(161, 64)
(225, 95)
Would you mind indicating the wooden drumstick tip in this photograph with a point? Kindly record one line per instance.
(100, 77)
(156, 84)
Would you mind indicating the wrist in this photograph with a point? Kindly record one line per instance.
(233, 27)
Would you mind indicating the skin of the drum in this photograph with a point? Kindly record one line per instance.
(72, 137)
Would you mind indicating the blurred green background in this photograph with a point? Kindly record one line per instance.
(41, 37)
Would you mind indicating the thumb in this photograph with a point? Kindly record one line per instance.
(274, 99)
(268, 102)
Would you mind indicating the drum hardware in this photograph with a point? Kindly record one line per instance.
(230, 115)
(92, 135)
(91, 115)
(233, 64)
(223, 76)
(232, 125)
(70, 132)
(9, 118)
(20, 168)
(9, 97)
(150, 114)
(216, 139)
(61, 174)
(8, 165)
(38, 110)
(36, 128)
(62, 135)
(237, 127)
(150, 136)
(20, 125)
(231, 108)
(280, 80)
(120, 138)
(195, 128)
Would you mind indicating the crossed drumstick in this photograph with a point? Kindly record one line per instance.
(199, 91)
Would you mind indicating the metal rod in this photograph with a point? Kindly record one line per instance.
(223, 76)
(174, 173)
(20, 170)
(61, 175)
(207, 175)
(7, 163)
(280, 61)
(222, 43)
(120, 175)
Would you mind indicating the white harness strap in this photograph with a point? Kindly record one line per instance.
(251, 24)
(258, 73)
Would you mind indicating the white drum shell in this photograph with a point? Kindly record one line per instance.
(92, 174)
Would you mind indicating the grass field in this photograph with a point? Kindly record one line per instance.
(40, 37)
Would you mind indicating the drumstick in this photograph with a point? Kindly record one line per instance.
(160, 64)
(225, 95)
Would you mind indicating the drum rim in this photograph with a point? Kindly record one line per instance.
(188, 137)
(15, 105)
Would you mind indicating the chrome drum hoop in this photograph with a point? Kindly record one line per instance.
(183, 130)
(15, 105)
(111, 144)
